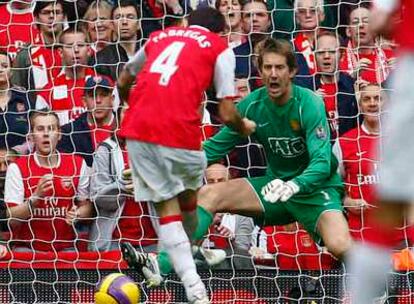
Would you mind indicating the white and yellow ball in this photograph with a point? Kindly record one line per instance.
(117, 288)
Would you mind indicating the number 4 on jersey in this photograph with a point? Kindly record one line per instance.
(165, 63)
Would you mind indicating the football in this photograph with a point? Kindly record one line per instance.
(117, 288)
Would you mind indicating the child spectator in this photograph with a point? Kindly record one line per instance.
(46, 192)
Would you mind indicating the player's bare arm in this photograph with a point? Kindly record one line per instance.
(231, 117)
(23, 211)
(128, 74)
(124, 84)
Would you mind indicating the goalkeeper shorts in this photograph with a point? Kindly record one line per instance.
(303, 208)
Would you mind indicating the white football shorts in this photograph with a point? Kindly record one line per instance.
(160, 173)
(397, 150)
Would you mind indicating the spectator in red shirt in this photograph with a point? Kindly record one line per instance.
(309, 15)
(16, 26)
(85, 133)
(46, 192)
(336, 88)
(363, 58)
(64, 94)
(358, 159)
(38, 64)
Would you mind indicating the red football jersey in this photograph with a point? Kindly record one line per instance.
(47, 229)
(46, 62)
(331, 108)
(295, 250)
(360, 164)
(16, 29)
(180, 63)
(64, 96)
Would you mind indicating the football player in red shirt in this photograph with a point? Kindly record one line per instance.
(162, 127)
(370, 262)
(46, 191)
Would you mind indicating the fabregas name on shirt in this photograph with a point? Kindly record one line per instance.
(199, 37)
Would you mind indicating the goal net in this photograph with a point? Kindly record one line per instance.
(54, 54)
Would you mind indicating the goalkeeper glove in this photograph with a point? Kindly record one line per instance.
(278, 190)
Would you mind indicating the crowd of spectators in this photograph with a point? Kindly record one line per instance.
(59, 62)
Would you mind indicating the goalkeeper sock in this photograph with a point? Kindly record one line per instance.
(164, 263)
(205, 218)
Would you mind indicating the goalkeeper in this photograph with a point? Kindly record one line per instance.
(301, 183)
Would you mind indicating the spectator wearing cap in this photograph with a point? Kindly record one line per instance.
(111, 59)
(39, 63)
(85, 133)
(64, 93)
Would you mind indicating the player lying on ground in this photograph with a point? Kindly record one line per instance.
(301, 183)
(162, 127)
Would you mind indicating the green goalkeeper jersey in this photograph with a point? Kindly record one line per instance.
(295, 137)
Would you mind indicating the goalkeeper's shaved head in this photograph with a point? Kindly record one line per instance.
(209, 18)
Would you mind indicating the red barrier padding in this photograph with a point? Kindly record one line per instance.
(64, 260)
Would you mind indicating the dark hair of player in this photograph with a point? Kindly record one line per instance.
(209, 18)
(278, 46)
